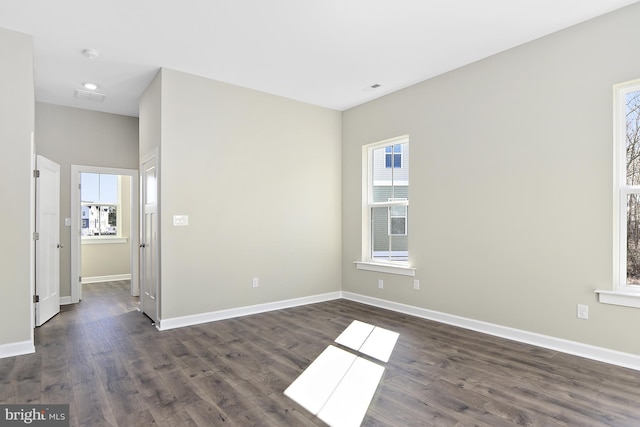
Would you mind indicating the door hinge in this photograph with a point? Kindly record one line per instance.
(36, 236)
(36, 298)
(36, 173)
(80, 279)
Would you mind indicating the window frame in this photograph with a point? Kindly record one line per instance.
(621, 292)
(367, 260)
(106, 238)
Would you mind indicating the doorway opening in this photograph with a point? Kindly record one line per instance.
(104, 224)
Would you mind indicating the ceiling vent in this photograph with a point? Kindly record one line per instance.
(89, 96)
(91, 53)
(372, 87)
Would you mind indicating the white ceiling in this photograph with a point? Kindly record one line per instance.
(324, 52)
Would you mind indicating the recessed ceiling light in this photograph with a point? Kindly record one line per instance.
(90, 86)
(91, 53)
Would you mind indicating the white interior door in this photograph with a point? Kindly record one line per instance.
(149, 267)
(48, 244)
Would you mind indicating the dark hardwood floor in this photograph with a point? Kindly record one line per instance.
(106, 360)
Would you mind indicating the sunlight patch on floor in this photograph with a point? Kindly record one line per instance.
(338, 386)
(368, 339)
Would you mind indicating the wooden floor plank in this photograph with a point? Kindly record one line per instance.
(104, 358)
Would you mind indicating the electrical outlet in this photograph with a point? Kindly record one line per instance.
(380, 284)
(416, 284)
(255, 282)
(583, 311)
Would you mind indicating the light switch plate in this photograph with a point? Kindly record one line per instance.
(180, 220)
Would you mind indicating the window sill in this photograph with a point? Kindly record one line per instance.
(103, 240)
(403, 270)
(624, 298)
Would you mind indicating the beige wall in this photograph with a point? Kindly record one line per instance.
(71, 136)
(511, 185)
(259, 177)
(100, 260)
(111, 259)
(16, 126)
(150, 122)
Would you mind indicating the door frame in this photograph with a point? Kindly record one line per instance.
(134, 235)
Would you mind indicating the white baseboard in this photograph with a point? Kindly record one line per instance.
(111, 278)
(626, 360)
(16, 349)
(65, 300)
(196, 319)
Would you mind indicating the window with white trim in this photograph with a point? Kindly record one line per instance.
(627, 168)
(387, 209)
(626, 198)
(100, 201)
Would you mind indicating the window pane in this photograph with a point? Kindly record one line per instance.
(633, 239)
(86, 213)
(381, 194)
(112, 223)
(108, 189)
(380, 240)
(381, 173)
(398, 220)
(90, 187)
(397, 160)
(151, 187)
(398, 226)
(394, 179)
(398, 210)
(633, 137)
(98, 188)
(99, 220)
(107, 225)
(384, 246)
(393, 154)
(92, 220)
